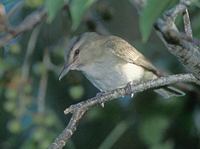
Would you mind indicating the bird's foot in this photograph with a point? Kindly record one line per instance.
(132, 95)
(129, 87)
(99, 95)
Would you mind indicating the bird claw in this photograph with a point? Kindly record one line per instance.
(132, 95)
(129, 88)
(102, 104)
(99, 95)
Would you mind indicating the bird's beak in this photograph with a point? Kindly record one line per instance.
(65, 70)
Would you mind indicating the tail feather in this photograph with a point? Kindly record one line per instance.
(169, 91)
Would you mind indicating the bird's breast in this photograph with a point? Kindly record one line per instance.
(113, 75)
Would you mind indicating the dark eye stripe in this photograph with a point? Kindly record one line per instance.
(76, 40)
(71, 45)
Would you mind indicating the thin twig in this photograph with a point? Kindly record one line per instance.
(29, 52)
(61, 140)
(25, 70)
(80, 108)
(108, 96)
(43, 85)
(27, 24)
(15, 8)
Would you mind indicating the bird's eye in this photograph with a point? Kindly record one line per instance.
(77, 51)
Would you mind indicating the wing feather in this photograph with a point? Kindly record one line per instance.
(127, 52)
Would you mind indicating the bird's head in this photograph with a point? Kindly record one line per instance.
(81, 50)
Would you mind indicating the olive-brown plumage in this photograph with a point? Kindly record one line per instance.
(110, 62)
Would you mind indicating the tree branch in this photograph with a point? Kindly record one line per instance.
(187, 24)
(182, 45)
(80, 108)
(43, 84)
(25, 69)
(61, 140)
(27, 24)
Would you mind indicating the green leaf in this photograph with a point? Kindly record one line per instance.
(153, 128)
(34, 3)
(150, 13)
(76, 92)
(52, 7)
(77, 10)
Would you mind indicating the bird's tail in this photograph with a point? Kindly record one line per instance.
(169, 91)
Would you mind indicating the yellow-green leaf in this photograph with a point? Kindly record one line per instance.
(52, 7)
(150, 13)
(77, 10)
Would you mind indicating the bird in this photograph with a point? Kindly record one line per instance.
(110, 62)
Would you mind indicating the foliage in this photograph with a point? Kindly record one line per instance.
(77, 10)
(33, 100)
(152, 10)
(53, 7)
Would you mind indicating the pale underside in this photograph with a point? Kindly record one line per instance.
(114, 73)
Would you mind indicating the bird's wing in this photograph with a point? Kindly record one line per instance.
(127, 52)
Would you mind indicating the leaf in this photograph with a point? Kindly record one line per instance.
(153, 128)
(76, 92)
(52, 7)
(34, 3)
(150, 13)
(77, 10)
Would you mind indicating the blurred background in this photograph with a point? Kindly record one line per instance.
(32, 100)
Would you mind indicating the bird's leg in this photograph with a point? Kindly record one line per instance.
(129, 87)
(99, 95)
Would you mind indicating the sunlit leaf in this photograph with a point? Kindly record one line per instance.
(9, 106)
(77, 10)
(39, 68)
(34, 3)
(52, 7)
(76, 92)
(14, 126)
(11, 93)
(38, 134)
(15, 49)
(150, 13)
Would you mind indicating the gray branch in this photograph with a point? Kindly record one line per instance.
(79, 109)
(27, 24)
(187, 24)
(182, 45)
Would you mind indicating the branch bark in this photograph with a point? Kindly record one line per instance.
(27, 24)
(182, 45)
(79, 109)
